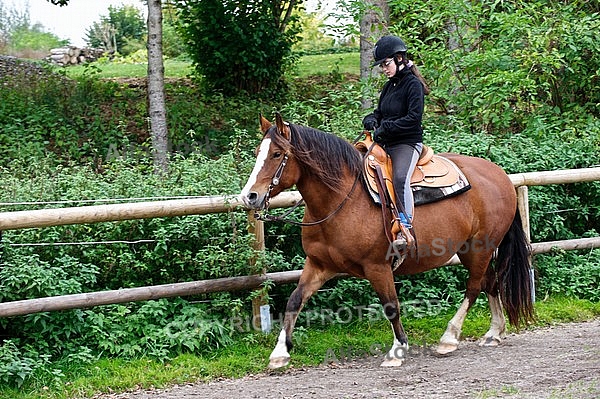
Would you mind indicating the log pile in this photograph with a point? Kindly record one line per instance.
(71, 55)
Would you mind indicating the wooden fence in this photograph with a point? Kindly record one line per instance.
(217, 204)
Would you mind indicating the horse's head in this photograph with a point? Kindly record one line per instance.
(275, 168)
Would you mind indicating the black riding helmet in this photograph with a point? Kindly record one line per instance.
(386, 47)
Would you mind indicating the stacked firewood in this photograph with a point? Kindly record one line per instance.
(71, 55)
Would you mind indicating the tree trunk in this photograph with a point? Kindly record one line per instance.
(373, 25)
(156, 89)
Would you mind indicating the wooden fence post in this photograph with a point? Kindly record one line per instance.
(523, 205)
(257, 227)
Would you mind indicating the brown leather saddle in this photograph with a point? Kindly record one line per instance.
(432, 172)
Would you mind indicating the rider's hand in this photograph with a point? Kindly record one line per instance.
(370, 122)
(377, 134)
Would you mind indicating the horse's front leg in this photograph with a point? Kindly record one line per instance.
(311, 279)
(382, 281)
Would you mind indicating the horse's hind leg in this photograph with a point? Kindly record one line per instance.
(383, 284)
(477, 263)
(449, 341)
(311, 279)
(498, 324)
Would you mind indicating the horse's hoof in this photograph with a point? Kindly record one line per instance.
(279, 362)
(393, 362)
(445, 348)
(490, 341)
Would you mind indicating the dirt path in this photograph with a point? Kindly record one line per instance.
(559, 362)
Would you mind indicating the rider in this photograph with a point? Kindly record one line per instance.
(396, 124)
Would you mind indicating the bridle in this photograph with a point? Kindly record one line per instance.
(275, 180)
(277, 176)
(283, 218)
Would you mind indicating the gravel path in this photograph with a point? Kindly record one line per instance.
(559, 362)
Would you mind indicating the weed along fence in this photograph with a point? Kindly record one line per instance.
(218, 204)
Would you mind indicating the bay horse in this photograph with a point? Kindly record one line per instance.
(343, 233)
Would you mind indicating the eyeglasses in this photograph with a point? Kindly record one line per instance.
(386, 63)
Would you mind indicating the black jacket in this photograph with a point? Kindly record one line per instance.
(400, 110)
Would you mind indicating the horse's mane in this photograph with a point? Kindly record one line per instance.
(321, 154)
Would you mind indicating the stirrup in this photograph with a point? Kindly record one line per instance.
(400, 243)
(400, 246)
(406, 235)
(403, 244)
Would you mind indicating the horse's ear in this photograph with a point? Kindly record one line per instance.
(283, 127)
(264, 124)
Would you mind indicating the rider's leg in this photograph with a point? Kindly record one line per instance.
(404, 160)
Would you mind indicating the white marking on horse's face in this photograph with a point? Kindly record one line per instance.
(263, 152)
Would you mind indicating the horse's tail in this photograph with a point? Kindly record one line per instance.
(513, 273)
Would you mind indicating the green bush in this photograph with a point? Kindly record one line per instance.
(250, 40)
(157, 329)
(25, 275)
(569, 273)
(17, 366)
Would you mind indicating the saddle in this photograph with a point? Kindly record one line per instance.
(434, 178)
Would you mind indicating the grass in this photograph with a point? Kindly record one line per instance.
(308, 65)
(250, 352)
(323, 64)
(173, 69)
(497, 393)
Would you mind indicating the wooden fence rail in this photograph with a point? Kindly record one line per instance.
(140, 210)
(217, 204)
(78, 301)
(129, 211)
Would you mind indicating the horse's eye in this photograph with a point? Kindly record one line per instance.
(277, 154)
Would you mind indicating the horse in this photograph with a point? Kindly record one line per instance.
(342, 232)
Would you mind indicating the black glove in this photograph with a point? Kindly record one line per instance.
(370, 122)
(378, 134)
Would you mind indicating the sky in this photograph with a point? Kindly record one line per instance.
(71, 22)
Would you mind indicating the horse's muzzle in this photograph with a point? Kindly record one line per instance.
(253, 200)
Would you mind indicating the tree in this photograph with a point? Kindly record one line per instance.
(122, 30)
(102, 35)
(312, 37)
(156, 78)
(511, 60)
(18, 36)
(10, 20)
(34, 38)
(173, 44)
(373, 24)
(240, 45)
(156, 88)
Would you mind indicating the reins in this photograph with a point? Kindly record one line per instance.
(283, 218)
